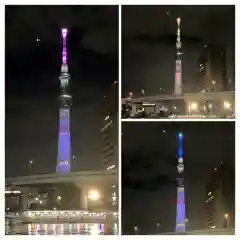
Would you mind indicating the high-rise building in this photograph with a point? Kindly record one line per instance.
(180, 216)
(64, 136)
(110, 139)
(178, 71)
(220, 199)
(212, 68)
(109, 131)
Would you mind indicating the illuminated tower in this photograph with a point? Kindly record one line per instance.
(180, 218)
(64, 136)
(178, 71)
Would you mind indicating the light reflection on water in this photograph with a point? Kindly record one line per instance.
(62, 229)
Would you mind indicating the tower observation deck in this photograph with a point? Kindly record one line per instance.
(65, 101)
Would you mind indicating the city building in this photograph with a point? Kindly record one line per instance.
(220, 199)
(212, 68)
(110, 139)
(109, 130)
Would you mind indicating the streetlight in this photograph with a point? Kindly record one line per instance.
(158, 226)
(193, 106)
(135, 230)
(93, 195)
(226, 220)
(30, 162)
(59, 198)
(226, 105)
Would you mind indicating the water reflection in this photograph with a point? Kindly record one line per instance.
(63, 229)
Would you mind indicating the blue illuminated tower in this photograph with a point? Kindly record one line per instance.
(180, 218)
(64, 136)
(178, 71)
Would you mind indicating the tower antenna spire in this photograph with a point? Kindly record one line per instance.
(178, 43)
(64, 50)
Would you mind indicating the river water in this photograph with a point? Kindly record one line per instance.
(60, 229)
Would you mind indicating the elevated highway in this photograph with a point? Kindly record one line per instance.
(207, 96)
(76, 189)
(78, 178)
(220, 104)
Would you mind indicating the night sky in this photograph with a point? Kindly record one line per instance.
(33, 65)
(149, 171)
(149, 43)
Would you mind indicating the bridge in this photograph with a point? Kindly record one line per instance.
(79, 178)
(74, 190)
(219, 103)
(207, 96)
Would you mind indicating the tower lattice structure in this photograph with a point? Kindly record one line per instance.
(180, 215)
(64, 135)
(178, 70)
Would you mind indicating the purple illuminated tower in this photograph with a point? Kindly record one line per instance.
(64, 136)
(180, 218)
(178, 71)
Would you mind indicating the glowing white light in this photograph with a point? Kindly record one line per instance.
(209, 193)
(93, 195)
(193, 106)
(180, 168)
(59, 198)
(180, 160)
(178, 21)
(226, 105)
(14, 192)
(95, 230)
(66, 96)
(106, 118)
(213, 226)
(110, 167)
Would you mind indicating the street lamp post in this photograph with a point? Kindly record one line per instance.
(225, 220)
(30, 162)
(135, 230)
(158, 227)
(59, 198)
